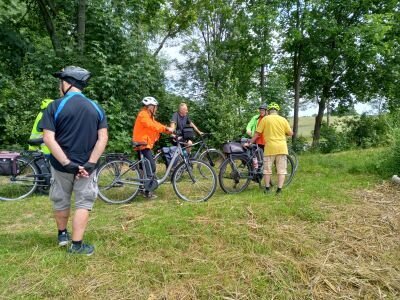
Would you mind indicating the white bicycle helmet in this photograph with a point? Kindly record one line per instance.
(149, 101)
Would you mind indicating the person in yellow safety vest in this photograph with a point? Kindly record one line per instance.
(37, 133)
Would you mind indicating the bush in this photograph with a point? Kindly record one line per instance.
(395, 152)
(300, 145)
(367, 131)
(390, 162)
(332, 140)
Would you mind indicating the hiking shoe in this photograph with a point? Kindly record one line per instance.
(63, 239)
(149, 195)
(84, 249)
(267, 191)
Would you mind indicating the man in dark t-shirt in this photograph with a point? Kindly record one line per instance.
(75, 130)
(181, 120)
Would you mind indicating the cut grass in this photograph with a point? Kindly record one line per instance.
(321, 239)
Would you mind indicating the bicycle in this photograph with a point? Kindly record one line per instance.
(242, 166)
(294, 157)
(30, 172)
(120, 179)
(212, 156)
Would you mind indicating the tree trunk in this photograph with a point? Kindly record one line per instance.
(318, 123)
(164, 40)
(81, 26)
(297, 75)
(319, 117)
(48, 21)
(296, 85)
(328, 112)
(262, 82)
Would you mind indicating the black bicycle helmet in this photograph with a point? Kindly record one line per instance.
(263, 106)
(75, 76)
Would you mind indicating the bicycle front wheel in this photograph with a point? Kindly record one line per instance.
(118, 182)
(234, 175)
(21, 185)
(194, 181)
(213, 157)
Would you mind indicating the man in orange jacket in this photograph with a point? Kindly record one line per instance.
(146, 129)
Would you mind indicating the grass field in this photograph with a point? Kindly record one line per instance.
(333, 234)
(306, 124)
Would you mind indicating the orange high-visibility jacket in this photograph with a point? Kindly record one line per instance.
(147, 129)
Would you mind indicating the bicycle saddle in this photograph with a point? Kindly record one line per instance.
(35, 142)
(137, 144)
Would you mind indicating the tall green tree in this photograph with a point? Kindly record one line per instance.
(340, 54)
(294, 21)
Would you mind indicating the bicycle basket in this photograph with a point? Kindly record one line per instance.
(9, 163)
(232, 147)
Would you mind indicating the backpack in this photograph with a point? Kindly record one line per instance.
(168, 152)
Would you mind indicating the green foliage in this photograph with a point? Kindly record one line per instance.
(395, 152)
(332, 140)
(223, 113)
(356, 132)
(300, 145)
(390, 161)
(367, 131)
(123, 70)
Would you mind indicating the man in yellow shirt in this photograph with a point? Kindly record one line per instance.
(274, 129)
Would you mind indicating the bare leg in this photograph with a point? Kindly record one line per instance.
(189, 144)
(61, 217)
(79, 224)
(267, 178)
(281, 180)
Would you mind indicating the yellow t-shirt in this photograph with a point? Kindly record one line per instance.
(274, 129)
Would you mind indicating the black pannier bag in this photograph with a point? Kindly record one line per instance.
(233, 147)
(168, 152)
(188, 133)
(9, 163)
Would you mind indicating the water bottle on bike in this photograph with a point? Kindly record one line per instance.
(255, 162)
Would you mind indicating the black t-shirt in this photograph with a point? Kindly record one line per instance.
(181, 122)
(75, 121)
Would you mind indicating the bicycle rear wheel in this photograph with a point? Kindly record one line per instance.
(291, 170)
(294, 158)
(195, 181)
(213, 157)
(19, 186)
(234, 175)
(118, 182)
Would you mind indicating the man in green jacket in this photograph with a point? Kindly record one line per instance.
(252, 125)
(37, 133)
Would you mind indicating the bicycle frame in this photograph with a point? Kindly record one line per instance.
(32, 157)
(203, 145)
(143, 161)
(254, 173)
(199, 151)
